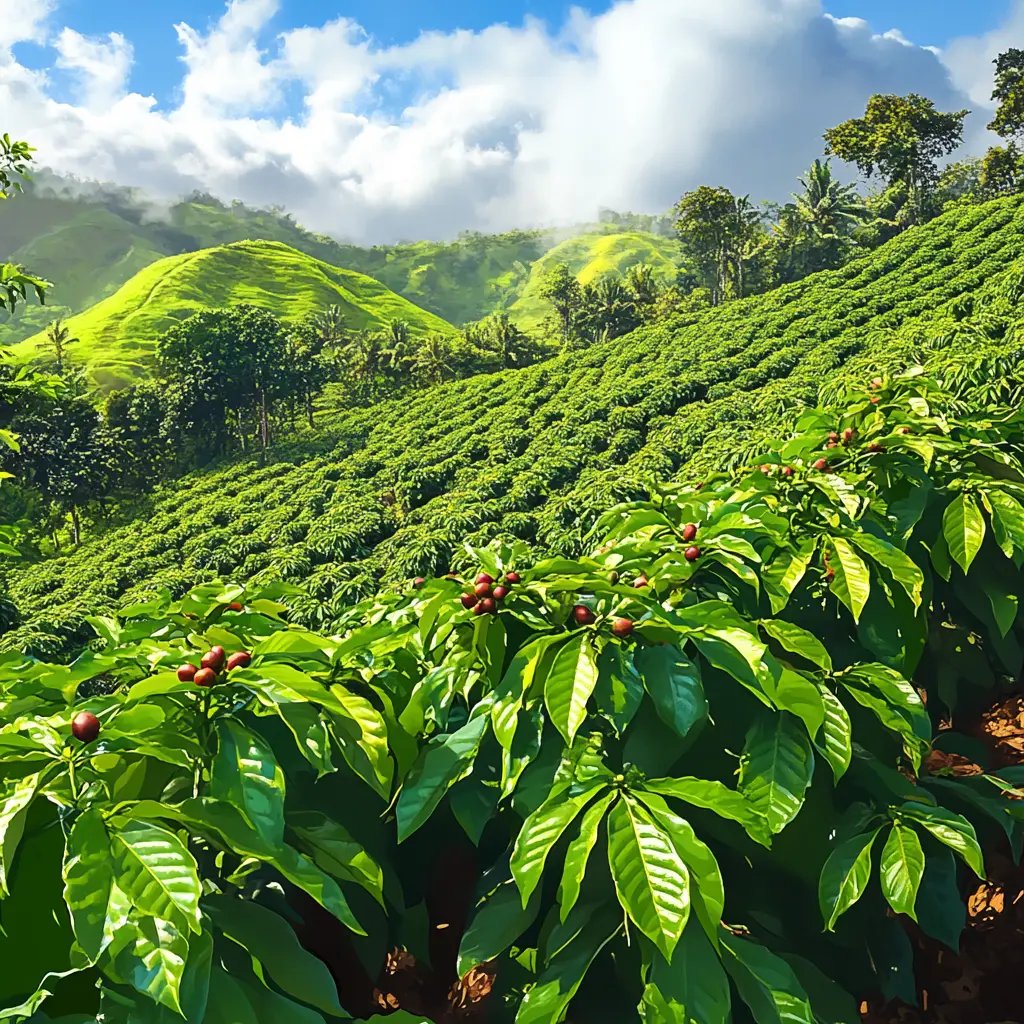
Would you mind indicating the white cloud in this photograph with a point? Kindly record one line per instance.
(511, 126)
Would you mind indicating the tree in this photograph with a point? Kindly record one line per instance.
(15, 283)
(607, 310)
(1009, 91)
(900, 138)
(1002, 171)
(59, 337)
(326, 328)
(499, 335)
(561, 288)
(432, 361)
(721, 234)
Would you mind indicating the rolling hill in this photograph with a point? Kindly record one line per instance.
(391, 492)
(117, 336)
(591, 256)
(90, 241)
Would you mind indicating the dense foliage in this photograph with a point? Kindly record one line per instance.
(693, 762)
(391, 492)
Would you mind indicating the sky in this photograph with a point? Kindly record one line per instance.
(381, 120)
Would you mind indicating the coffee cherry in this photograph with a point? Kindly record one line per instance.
(205, 677)
(787, 470)
(186, 673)
(482, 590)
(512, 577)
(469, 600)
(821, 464)
(488, 606)
(500, 593)
(689, 532)
(692, 554)
(622, 628)
(583, 615)
(240, 659)
(85, 726)
(640, 581)
(484, 578)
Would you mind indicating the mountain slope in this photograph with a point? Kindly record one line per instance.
(391, 492)
(591, 256)
(117, 337)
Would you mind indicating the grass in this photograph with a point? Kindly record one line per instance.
(117, 336)
(391, 492)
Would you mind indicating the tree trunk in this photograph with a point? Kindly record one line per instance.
(241, 431)
(76, 527)
(264, 420)
(309, 409)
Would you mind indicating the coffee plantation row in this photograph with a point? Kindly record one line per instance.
(679, 776)
(391, 492)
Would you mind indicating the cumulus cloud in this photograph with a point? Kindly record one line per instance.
(512, 126)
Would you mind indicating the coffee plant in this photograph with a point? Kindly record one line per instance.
(694, 774)
(392, 492)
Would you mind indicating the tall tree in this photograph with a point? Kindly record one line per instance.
(15, 283)
(59, 337)
(902, 139)
(1009, 91)
(561, 288)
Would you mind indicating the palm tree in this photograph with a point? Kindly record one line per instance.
(501, 336)
(59, 337)
(328, 328)
(830, 208)
(431, 360)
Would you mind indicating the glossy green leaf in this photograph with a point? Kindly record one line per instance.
(546, 1001)
(836, 744)
(441, 764)
(157, 953)
(577, 855)
(903, 569)
(334, 850)
(362, 735)
(951, 829)
(272, 941)
(963, 526)
(16, 797)
(497, 923)
(542, 829)
(87, 877)
(941, 912)
(798, 640)
(766, 983)
(693, 989)
(718, 797)
(781, 576)
(620, 690)
(155, 870)
(570, 684)
(845, 876)
(776, 767)
(674, 683)
(852, 583)
(901, 869)
(246, 773)
(651, 880)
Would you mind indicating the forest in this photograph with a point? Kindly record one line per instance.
(615, 626)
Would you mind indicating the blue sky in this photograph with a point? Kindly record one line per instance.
(148, 26)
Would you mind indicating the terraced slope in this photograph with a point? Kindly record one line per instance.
(591, 256)
(391, 492)
(118, 335)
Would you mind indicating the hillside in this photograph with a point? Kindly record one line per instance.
(117, 336)
(90, 243)
(591, 256)
(391, 492)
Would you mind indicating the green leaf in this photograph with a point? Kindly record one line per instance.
(674, 683)
(495, 926)
(546, 1001)
(782, 574)
(836, 734)
(709, 898)
(577, 855)
(246, 773)
(362, 735)
(156, 959)
(693, 989)
(963, 526)
(1007, 515)
(440, 765)
(776, 767)
(904, 571)
(766, 983)
(15, 799)
(620, 690)
(87, 877)
(718, 797)
(852, 583)
(954, 830)
(336, 852)
(272, 941)
(831, 1003)
(155, 870)
(543, 828)
(569, 685)
(902, 868)
(845, 876)
(941, 911)
(651, 880)
(798, 640)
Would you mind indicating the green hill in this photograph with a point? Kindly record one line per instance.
(117, 336)
(392, 491)
(591, 256)
(91, 243)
